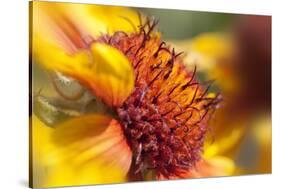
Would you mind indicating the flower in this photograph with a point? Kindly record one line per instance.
(158, 112)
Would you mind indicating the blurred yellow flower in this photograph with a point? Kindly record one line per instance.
(213, 54)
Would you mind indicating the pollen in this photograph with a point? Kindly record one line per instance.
(165, 119)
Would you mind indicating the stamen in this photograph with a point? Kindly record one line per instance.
(153, 67)
(173, 89)
(191, 79)
(139, 16)
(139, 61)
(129, 49)
(159, 49)
(149, 84)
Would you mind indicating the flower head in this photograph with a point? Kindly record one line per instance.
(159, 112)
(165, 117)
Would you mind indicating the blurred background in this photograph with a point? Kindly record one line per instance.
(182, 24)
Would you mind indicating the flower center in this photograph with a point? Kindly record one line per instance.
(165, 118)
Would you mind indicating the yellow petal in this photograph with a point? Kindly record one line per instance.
(215, 167)
(50, 22)
(40, 146)
(72, 25)
(223, 144)
(220, 166)
(97, 19)
(90, 149)
(113, 78)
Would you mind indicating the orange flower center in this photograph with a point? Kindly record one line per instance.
(165, 118)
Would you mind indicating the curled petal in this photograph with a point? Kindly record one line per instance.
(113, 79)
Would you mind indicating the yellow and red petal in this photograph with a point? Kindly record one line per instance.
(215, 167)
(72, 25)
(80, 151)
